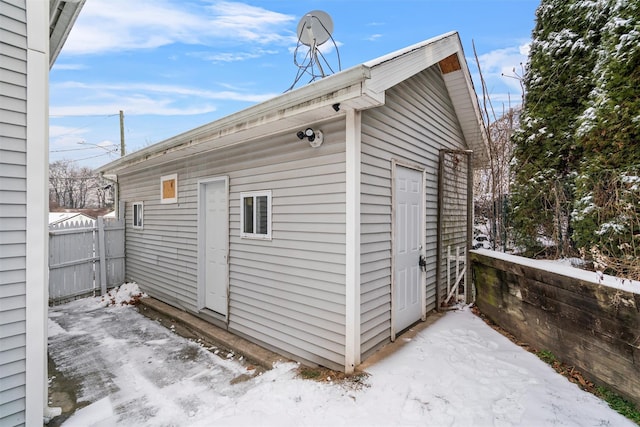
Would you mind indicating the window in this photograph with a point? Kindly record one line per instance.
(169, 188)
(138, 214)
(255, 215)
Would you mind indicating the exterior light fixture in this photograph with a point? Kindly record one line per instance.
(315, 138)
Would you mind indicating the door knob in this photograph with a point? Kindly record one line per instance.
(422, 262)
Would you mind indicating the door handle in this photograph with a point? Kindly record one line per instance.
(422, 262)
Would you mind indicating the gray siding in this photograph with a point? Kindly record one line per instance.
(13, 211)
(416, 121)
(287, 293)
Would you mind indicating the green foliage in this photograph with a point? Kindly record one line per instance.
(577, 154)
(310, 373)
(606, 216)
(619, 404)
(546, 356)
(615, 401)
(558, 82)
(607, 219)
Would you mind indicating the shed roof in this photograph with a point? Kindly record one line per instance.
(360, 87)
(58, 217)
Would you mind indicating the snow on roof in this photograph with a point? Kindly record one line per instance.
(58, 217)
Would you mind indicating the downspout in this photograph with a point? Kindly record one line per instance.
(116, 194)
(352, 249)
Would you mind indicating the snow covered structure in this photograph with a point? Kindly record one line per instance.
(57, 218)
(31, 36)
(309, 223)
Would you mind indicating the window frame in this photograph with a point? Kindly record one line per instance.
(140, 216)
(255, 195)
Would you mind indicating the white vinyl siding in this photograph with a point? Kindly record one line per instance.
(287, 293)
(416, 121)
(13, 212)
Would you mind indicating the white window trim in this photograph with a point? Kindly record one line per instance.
(255, 194)
(173, 176)
(133, 219)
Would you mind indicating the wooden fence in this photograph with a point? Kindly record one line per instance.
(85, 258)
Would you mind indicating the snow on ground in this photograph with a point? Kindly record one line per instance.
(457, 372)
(566, 268)
(126, 293)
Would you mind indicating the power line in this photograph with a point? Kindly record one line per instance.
(91, 157)
(112, 149)
(73, 131)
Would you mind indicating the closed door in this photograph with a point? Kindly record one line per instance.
(408, 227)
(215, 248)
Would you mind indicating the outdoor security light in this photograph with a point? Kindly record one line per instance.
(315, 138)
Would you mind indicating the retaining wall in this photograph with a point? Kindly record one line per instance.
(585, 324)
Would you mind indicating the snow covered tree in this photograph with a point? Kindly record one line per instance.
(606, 218)
(559, 78)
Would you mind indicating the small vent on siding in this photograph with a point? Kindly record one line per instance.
(450, 64)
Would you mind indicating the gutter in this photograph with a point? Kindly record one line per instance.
(268, 111)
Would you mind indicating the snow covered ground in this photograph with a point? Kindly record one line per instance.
(457, 372)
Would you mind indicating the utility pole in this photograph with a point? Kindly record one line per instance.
(121, 133)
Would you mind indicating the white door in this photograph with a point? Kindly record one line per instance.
(408, 228)
(215, 235)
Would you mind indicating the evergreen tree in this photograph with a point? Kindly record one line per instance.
(607, 207)
(558, 81)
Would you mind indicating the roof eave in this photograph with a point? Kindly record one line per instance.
(345, 88)
(359, 88)
(62, 16)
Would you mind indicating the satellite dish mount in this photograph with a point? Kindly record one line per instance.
(314, 29)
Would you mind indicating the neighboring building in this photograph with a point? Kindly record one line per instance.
(299, 223)
(88, 215)
(59, 218)
(31, 36)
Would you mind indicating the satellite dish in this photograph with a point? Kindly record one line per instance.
(315, 28)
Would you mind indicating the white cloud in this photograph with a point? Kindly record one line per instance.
(502, 71)
(70, 67)
(112, 88)
(145, 98)
(217, 57)
(116, 25)
(134, 105)
(373, 37)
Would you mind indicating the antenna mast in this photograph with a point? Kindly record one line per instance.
(314, 29)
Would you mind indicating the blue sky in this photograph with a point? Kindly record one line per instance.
(172, 65)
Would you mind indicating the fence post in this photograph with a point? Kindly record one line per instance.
(103, 256)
